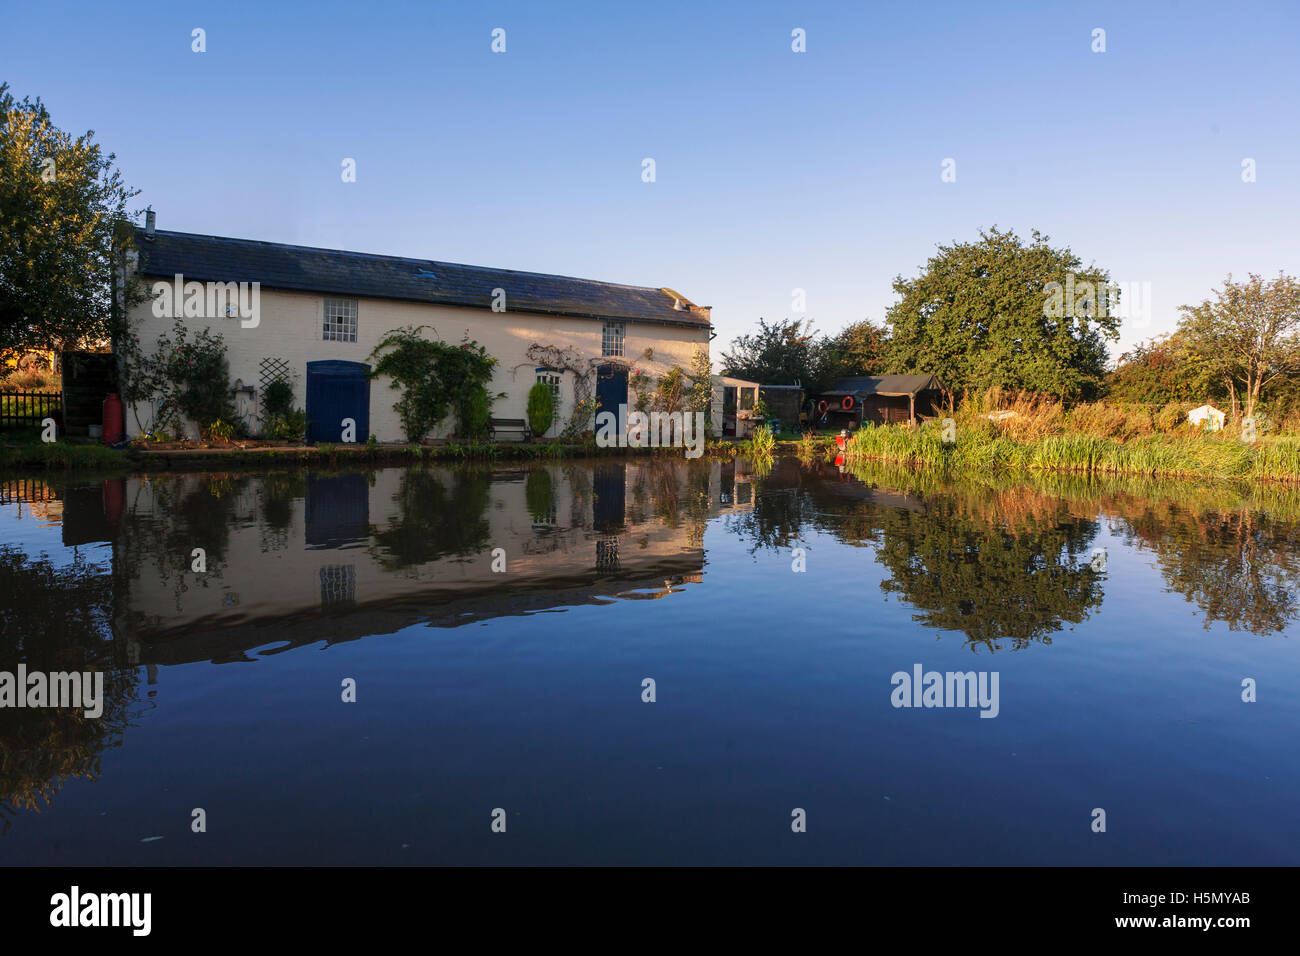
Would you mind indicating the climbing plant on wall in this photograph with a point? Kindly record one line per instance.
(677, 390)
(435, 378)
(583, 368)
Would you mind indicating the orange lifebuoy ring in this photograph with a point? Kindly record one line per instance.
(847, 403)
(822, 406)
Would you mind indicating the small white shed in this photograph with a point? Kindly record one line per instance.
(1207, 416)
(733, 406)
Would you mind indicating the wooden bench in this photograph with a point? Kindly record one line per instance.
(497, 425)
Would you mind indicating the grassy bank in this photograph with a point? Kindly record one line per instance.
(60, 456)
(984, 447)
(364, 454)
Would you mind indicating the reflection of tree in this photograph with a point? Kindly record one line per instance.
(992, 582)
(578, 479)
(56, 619)
(674, 492)
(1237, 567)
(196, 511)
(996, 564)
(279, 491)
(776, 520)
(539, 495)
(439, 513)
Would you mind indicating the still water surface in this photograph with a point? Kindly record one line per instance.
(1120, 677)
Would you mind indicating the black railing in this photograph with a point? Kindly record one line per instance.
(28, 408)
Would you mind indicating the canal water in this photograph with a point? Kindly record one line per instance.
(651, 661)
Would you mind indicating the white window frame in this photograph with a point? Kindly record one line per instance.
(613, 339)
(340, 320)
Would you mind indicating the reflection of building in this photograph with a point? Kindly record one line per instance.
(340, 557)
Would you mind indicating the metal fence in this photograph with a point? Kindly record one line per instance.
(28, 408)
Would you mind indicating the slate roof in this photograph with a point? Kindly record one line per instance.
(302, 268)
(862, 385)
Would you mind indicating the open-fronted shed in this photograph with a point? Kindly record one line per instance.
(880, 399)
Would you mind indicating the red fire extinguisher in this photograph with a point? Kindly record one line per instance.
(112, 419)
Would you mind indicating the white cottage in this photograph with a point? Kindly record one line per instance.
(321, 312)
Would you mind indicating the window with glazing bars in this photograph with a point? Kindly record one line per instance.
(612, 340)
(340, 320)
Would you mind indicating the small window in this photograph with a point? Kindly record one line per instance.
(611, 342)
(340, 320)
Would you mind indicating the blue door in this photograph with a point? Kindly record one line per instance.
(611, 388)
(335, 391)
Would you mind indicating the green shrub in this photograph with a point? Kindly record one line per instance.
(475, 412)
(541, 408)
(221, 430)
(291, 426)
(277, 398)
(191, 377)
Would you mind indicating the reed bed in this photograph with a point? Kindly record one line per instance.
(985, 447)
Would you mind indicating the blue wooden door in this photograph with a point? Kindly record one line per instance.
(335, 391)
(611, 388)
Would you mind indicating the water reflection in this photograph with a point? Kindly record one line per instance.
(1237, 567)
(431, 515)
(1003, 559)
(57, 619)
(295, 559)
(996, 561)
(341, 556)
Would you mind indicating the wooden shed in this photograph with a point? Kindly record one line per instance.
(880, 399)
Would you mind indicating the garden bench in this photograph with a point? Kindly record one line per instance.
(497, 425)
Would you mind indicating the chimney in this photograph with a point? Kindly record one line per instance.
(149, 219)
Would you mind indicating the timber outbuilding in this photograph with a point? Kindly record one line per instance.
(879, 400)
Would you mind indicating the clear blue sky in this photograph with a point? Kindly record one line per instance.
(775, 170)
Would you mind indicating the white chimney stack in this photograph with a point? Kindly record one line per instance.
(149, 220)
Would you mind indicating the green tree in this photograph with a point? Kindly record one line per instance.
(1008, 313)
(1250, 334)
(1163, 369)
(785, 352)
(858, 349)
(699, 394)
(64, 234)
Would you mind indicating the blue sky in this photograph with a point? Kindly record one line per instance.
(775, 170)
